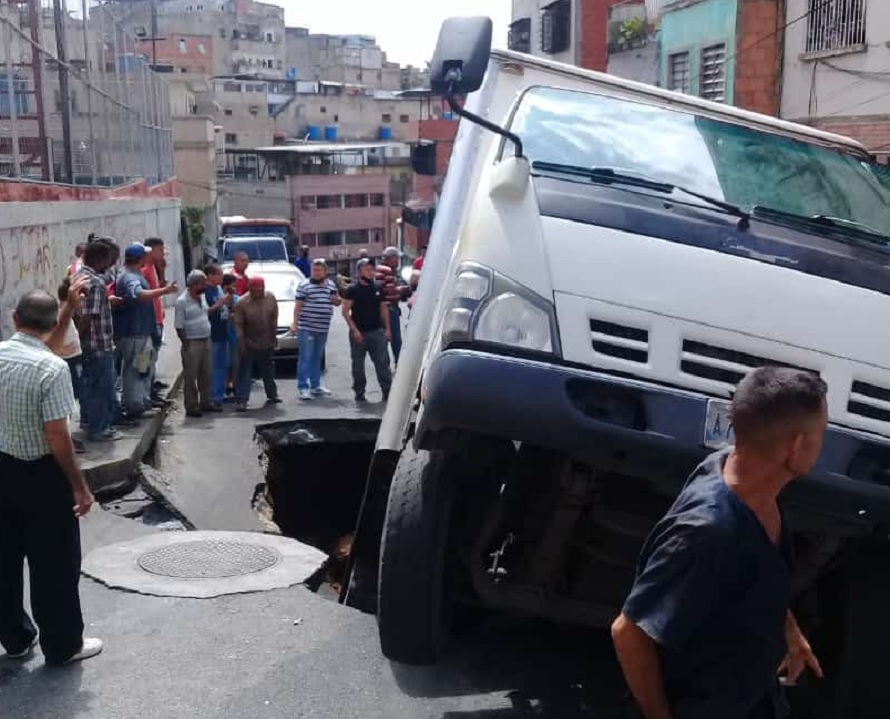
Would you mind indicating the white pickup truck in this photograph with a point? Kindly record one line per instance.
(608, 260)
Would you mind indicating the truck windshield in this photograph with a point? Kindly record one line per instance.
(257, 230)
(740, 165)
(257, 250)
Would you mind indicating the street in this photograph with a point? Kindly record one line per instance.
(289, 652)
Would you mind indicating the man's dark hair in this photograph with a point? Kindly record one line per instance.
(212, 269)
(774, 400)
(96, 253)
(63, 289)
(229, 279)
(154, 242)
(37, 311)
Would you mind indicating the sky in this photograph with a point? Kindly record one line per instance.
(405, 29)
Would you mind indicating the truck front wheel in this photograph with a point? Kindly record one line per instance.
(411, 596)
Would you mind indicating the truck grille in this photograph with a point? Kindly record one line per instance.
(869, 400)
(721, 364)
(620, 341)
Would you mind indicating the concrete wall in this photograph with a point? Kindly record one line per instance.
(692, 25)
(194, 155)
(758, 60)
(835, 86)
(37, 240)
(358, 117)
(255, 199)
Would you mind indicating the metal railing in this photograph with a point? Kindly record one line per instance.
(835, 25)
(79, 102)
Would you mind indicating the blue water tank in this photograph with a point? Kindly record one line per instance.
(385, 132)
(314, 132)
(448, 115)
(330, 133)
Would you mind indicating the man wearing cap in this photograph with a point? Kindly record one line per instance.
(134, 325)
(192, 324)
(367, 313)
(256, 320)
(396, 291)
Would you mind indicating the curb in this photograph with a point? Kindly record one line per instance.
(116, 477)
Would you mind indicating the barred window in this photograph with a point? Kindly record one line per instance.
(712, 80)
(556, 27)
(678, 72)
(835, 25)
(520, 37)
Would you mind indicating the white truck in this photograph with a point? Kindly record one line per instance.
(608, 260)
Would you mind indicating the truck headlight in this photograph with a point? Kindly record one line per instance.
(490, 308)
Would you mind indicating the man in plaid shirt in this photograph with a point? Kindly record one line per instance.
(97, 339)
(42, 492)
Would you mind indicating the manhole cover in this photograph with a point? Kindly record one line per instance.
(208, 559)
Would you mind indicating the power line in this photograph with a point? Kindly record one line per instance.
(778, 30)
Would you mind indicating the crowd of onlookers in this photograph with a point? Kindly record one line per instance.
(227, 324)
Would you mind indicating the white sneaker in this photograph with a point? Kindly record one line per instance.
(24, 654)
(305, 394)
(322, 392)
(90, 648)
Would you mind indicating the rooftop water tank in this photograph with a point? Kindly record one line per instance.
(314, 133)
(385, 132)
(330, 133)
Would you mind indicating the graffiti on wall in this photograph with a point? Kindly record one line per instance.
(36, 255)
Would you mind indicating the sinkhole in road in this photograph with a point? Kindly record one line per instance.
(315, 479)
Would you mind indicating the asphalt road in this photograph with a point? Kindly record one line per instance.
(249, 656)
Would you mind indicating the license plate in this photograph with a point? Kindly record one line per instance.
(718, 427)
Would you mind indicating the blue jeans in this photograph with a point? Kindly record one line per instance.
(309, 363)
(395, 326)
(136, 357)
(99, 398)
(221, 364)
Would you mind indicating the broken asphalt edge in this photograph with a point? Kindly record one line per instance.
(114, 478)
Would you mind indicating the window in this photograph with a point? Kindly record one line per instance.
(404, 118)
(835, 25)
(270, 37)
(355, 237)
(376, 200)
(231, 87)
(227, 112)
(280, 64)
(556, 27)
(520, 37)
(307, 202)
(183, 46)
(183, 70)
(712, 80)
(354, 201)
(386, 117)
(330, 239)
(328, 202)
(739, 164)
(222, 33)
(323, 109)
(231, 138)
(678, 72)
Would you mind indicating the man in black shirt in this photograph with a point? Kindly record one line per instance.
(707, 624)
(367, 314)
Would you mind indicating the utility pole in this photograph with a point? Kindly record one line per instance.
(154, 34)
(64, 93)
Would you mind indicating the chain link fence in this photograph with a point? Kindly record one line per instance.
(79, 102)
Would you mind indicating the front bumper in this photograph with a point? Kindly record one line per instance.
(630, 427)
(286, 347)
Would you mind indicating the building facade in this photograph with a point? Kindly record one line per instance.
(836, 67)
(724, 50)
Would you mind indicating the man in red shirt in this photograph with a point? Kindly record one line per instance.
(242, 282)
(154, 259)
(395, 290)
(418, 263)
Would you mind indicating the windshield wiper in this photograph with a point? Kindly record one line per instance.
(816, 222)
(610, 176)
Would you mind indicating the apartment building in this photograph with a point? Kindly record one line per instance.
(836, 66)
(588, 33)
(344, 59)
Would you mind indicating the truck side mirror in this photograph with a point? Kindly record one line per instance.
(461, 56)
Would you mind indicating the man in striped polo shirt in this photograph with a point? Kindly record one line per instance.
(316, 299)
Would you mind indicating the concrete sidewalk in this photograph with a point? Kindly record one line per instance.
(108, 467)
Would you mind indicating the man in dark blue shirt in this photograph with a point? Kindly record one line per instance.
(707, 623)
(303, 263)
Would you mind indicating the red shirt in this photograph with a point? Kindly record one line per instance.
(418, 263)
(150, 273)
(242, 285)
